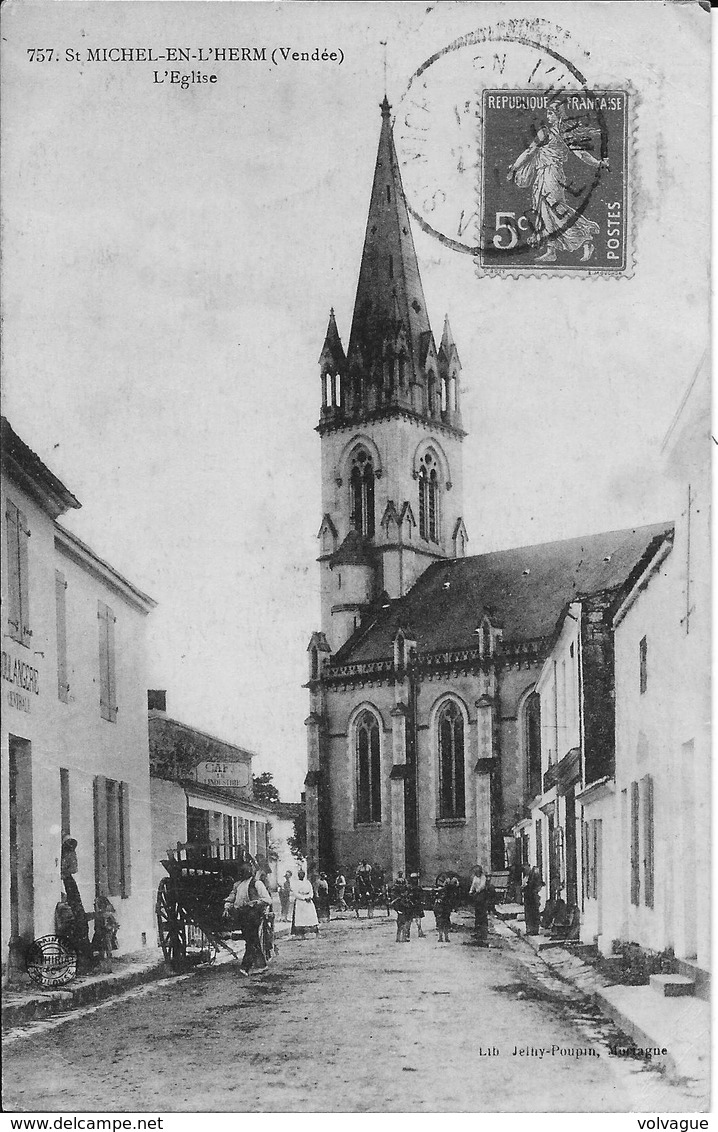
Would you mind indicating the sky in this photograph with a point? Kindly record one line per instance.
(170, 257)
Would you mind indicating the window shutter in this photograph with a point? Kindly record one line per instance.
(104, 669)
(111, 685)
(108, 696)
(125, 844)
(635, 861)
(13, 572)
(100, 807)
(585, 854)
(61, 619)
(64, 802)
(648, 861)
(23, 534)
(114, 882)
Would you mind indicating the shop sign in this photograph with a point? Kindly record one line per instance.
(229, 775)
(25, 680)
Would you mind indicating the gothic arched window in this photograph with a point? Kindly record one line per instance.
(368, 768)
(452, 793)
(429, 499)
(532, 743)
(361, 482)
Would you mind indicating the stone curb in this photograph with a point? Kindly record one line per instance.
(596, 994)
(38, 1005)
(48, 1003)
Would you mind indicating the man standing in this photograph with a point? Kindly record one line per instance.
(416, 897)
(285, 896)
(340, 887)
(248, 902)
(532, 885)
(479, 898)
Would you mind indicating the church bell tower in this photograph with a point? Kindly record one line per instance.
(390, 424)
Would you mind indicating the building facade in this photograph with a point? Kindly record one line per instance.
(74, 732)
(661, 858)
(201, 792)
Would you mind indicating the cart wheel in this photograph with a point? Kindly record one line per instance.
(171, 926)
(199, 947)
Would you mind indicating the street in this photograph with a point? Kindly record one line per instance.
(350, 1022)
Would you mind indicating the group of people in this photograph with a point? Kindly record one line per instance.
(72, 921)
(308, 904)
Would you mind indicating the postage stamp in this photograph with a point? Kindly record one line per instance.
(554, 181)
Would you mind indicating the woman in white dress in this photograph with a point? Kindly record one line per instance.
(304, 917)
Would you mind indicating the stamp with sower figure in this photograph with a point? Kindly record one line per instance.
(554, 181)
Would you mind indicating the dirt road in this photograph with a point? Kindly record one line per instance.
(351, 1022)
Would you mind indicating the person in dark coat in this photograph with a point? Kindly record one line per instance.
(531, 888)
(80, 931)
(444, 904)
(285, 896)
(402, 905)
(416, 897)
(479, 895)
(321, 898)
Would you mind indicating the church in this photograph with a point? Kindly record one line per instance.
(424, 729)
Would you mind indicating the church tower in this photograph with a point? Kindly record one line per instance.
(390, 424)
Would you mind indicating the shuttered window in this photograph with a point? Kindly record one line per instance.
(643, 664)
(64, 802)
(108, 696)
(635, 846)
(586, 860)
(597, 850)
(18, 534)
(648, 849)
(63, 687)
(539, 846)
(112, 837)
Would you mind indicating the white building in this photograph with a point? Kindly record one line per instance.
(74, 727)
(662, 642)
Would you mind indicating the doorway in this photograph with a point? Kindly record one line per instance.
(22, 886)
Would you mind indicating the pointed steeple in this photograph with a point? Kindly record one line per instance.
(332, 355)
(390, 298)
(447, 349)
(449, 370)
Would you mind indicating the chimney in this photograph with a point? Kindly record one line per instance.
(156, 700)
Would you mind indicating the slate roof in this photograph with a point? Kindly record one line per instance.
(20, 459)
(354, 551)
(523, 590)
(383, 301)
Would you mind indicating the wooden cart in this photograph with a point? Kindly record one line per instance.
(190, 904)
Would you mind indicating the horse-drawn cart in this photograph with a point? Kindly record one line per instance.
(191, 923)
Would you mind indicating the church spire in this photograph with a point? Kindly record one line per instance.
(390, 338)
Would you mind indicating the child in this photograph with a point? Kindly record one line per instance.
(442, 912)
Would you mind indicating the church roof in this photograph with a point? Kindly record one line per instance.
(354, 551)
(389, 291)
(523, 591)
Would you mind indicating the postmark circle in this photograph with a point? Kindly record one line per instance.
(455, 149)
(50, 963)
